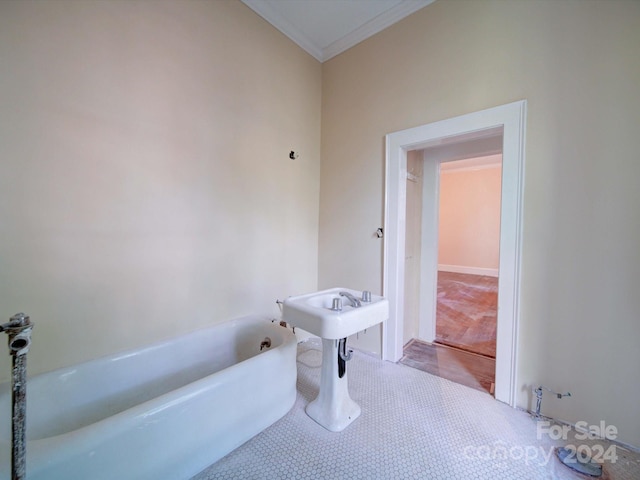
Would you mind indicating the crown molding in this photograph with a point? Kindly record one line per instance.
(373, 26)
(471, 164)
(287, 28)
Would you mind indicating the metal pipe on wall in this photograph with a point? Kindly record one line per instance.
(19, 330)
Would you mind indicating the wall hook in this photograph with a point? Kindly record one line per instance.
(380, 233)
(293, 155)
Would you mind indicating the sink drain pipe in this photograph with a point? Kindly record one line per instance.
(344, 356)
(19, 331)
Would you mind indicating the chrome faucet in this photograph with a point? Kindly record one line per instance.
(354, 301)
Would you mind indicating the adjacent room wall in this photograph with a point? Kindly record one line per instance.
(469, 220)
(576, 64)
(146, 188)
(413, 245)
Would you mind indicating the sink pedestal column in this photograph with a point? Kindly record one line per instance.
(333, 407)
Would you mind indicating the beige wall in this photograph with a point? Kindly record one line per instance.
(145, 187)
(145, 184)
(576, 64)
(469, 219)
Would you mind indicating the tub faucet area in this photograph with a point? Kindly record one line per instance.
(266, 343)
(170, 410)
(354, 301)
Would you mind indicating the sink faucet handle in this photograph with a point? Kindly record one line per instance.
(337, 305)
(366, 296)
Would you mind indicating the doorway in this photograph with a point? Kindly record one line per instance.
(468, 238)
(468, 252)
(508, 120)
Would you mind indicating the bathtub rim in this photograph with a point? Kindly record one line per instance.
(171, 397)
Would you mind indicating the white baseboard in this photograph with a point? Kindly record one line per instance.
(491, 272)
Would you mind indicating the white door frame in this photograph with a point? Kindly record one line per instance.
(511, 120)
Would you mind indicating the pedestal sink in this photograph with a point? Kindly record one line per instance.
(333, 315)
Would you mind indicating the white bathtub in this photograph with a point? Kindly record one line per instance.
(166, 411)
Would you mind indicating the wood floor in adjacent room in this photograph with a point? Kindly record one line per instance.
(466, 321)
(466, 312)
(470, 369)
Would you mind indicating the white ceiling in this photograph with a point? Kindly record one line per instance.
(325, 28)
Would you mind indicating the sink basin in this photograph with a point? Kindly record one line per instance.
(312, 312)
(333, 408)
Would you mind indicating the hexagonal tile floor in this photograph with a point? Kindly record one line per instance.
(413, 426)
